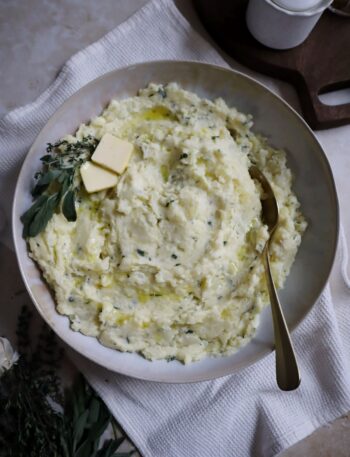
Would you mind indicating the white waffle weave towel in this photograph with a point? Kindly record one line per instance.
(240, 415)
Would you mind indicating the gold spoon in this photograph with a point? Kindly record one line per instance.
(287, 372)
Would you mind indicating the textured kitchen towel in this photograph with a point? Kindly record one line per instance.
(239, 415)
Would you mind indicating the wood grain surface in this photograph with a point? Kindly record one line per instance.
(320, 64)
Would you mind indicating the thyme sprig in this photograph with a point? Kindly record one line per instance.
(55, 187)
(38, 418)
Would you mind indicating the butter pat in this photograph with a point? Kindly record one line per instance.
(113, 153)
(96, 178)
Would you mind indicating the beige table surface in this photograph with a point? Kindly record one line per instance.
(36, 38)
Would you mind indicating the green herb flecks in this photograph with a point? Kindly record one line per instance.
(168, 203)
(162, 92)
(55, 188)
(170, 358)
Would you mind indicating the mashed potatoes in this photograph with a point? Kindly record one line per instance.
(168, 262)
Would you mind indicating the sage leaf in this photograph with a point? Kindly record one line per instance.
(65, 186)
(63, 177)
(46, 158)
(55, 187)
(42, 217)
(45, 180)
(94, 411)
(68, 207)
(79, 428)
(29, 215)
(110, 447)
(93, 438)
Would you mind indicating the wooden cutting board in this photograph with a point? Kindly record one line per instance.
(321, 64)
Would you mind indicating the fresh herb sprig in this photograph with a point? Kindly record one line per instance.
(28, 423)
(55, 188)
(39, 419)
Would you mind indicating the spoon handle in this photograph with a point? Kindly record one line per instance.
(287, 372)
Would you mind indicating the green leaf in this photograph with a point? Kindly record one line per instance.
(63, 177)
(97, 429)
(59, 168)
(80, 397)
(42, 217)
(94, 410)
(45, 180)
(85, 450)
(65, 187)
(29, 215)
(46, 158)
(49, 176)
(30, 424)
(68, 206)
(110, 447)
(93, 439)
(79, 428)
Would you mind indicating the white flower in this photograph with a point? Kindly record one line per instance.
(7, 355)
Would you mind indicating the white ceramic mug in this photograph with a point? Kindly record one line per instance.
(281, 28)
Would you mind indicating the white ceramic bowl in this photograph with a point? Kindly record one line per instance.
(313, 185)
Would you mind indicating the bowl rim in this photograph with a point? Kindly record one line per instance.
(120, 369)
